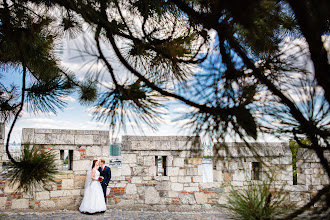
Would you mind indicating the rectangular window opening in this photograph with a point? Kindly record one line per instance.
(61, 154)
(256, 169)
(1, 132)
(160, 162)
(70, 159)
(67, 157)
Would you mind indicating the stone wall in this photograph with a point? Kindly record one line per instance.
(164, 171)
(311, 176)
(68, 190)
(139, 182)
(234, 163)
(238, 165)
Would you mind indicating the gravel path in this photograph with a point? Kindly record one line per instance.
(116, 215)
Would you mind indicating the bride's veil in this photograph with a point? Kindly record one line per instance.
(88, 180)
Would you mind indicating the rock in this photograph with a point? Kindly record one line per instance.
(148, 161)
(163, 186)
(79, 181)
(177, 186)
(195, 160)
(129, 158)
(56, 193)
(47, 204)
(173, 171)
(64, 201)
(3, 201)
(93, 151)
(151, 196)
(81, 165)
(131, 189)
(126, 170)
(223, 199)
(184, 179)
(20, 204)
(187, 199)
(42, 195)
(178, 162)
(136, 179)
(73, 192)
(192, 171)
(67, 183)
(191, 188)
(200, 198)
(84, 140)
(239, 176)
(295, 196)
(9, 189)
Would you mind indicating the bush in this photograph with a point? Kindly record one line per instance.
(35, 169)
(257, 201)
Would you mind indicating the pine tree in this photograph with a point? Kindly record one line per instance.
(224, 59)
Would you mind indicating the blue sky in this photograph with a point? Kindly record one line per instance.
(75, 116)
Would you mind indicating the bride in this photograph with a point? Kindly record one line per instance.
(93, 200)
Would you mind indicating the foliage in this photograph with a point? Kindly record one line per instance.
(243, 67)
(35, 169)
(28, 41)
(294, 147)
(258, 201)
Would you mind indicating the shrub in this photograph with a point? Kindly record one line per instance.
(257, 201)
(34, 169)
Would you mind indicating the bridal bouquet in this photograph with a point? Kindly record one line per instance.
(100, 178)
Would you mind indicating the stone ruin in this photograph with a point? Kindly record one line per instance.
(161, 171)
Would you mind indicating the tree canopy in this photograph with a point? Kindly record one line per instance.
(245, 67)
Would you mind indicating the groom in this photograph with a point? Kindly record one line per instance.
(105, 171)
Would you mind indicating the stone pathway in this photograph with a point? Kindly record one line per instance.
(116, 215)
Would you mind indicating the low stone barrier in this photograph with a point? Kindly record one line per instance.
(163, 171)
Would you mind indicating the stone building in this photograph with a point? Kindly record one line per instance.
(161, 171)
(78, 148)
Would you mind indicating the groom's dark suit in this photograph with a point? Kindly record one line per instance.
(106, 173)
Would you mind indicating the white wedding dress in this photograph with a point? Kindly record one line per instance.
(93, 200)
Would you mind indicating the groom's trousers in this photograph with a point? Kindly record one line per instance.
(104, 187)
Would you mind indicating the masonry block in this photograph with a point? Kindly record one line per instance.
(131, 189)
(151, 196)
(177, 186)
(47, 204)
(93, 151)
(173, 171)
(20, 204)
(42, 195)
(84, 139)
(178, 162)
(200, 198)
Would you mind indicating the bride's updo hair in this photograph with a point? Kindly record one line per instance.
(94, 162)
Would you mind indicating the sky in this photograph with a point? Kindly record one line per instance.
(76, 116)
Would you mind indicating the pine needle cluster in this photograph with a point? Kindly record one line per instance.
(34, 169)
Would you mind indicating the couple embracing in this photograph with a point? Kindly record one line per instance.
(97, 179)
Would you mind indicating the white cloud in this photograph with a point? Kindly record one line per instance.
(37, 113)
(67, 98)
(183, 110)
(68, 108)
